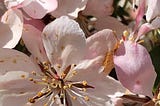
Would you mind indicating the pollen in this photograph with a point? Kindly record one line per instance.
(33, 72)
(74, 97)
(31, 100)
(69, 85)
(23, 76)
(65, 87)
(125, 33)
(39, 94)
(86, 98)
(84, 83)
(58, 65)
(30, 79)
(84, 89)
(74, 72)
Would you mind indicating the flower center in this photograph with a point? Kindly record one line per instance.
(57, 88)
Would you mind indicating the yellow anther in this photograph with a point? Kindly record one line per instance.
(33, 72)
(39, 94)
(125, 33)
(58, 65)
(63, 75)
(141, 41)
(74, 97)
(131, 38)
(74, 72)
(45, 63)
(65, 87)
(69, 85)
(46, 67)
(23, 76)
(44, 79)
(61, 95)
(31, 79)
(86, 98)
(31, 100)
(84, 89)
(74, 65)
(84, 83)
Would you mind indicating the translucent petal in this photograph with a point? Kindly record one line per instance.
(64, 41)
(15, 71)
(134, 68)
(33, 41)
(14, 19)
(153, 9)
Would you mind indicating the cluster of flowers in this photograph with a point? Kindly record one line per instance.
(65, 67)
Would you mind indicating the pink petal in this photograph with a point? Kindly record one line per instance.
(64, 41)
(140, 13)
(15, 70)
(6, 32)
(110, 23)
(145, 28)
(14, 19)
(100, 43)
(104, 86)
(153, 9)
(39, 8)
(134, 68)
(33, 41)
(36, 23)
(104, 8)
(71, 8)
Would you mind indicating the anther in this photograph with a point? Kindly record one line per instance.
(86, 98)
(84, 89)
(84, 83)
(65, 87)
(33, 72)
(30, 79)
(125, 33)
(23, 76)
(31, 100)
(69, 85)
(74, 72)
(74, 97)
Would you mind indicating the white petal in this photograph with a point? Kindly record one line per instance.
(153, 9)
(15, 69)
(64, 41)
(14, 19)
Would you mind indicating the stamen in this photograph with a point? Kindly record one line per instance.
(84, 83)
(86, 98)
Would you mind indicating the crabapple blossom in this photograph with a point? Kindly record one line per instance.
(71, 59)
